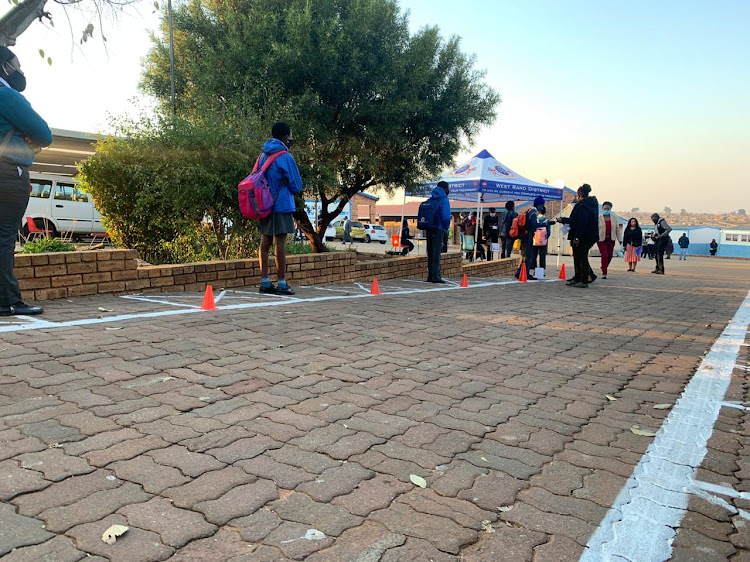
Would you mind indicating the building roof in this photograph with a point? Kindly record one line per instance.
(67, 148)
(368, 196)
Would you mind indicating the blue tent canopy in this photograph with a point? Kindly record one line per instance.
(486, 177)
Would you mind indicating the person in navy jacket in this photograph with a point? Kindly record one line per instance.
(435, 236)
(22, 134)
(285, 182)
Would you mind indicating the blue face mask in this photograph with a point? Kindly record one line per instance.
(606, 213)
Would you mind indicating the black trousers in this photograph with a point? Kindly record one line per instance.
(434, 246)
(540, 257)
(581, 262)
(14, 198)
(661, 246)
(506, 247)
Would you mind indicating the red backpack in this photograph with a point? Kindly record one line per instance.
(518, 226)
(256, 201)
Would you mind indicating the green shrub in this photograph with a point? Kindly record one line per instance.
(44, 245)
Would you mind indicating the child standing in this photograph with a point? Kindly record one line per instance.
(541, 238)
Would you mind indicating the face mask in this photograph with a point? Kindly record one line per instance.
(15, 80)
(290, 143)
(492, 214)
(606, 213)
(655, 221)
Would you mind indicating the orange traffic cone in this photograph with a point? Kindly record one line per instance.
(522, 276)
(465, 281)
(562, 272)
(208, 299)
(375, 287)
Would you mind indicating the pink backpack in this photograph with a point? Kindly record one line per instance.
(256, 201)
(540, 236)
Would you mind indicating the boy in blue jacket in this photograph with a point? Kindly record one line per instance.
(285, 182)
(435, 236)
(22, 134)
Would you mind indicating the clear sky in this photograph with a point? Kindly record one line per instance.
(646, 101)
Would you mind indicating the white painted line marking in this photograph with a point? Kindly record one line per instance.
(642, 523)
(261, 304)
(220, 296)
(158, 301)
(734, 405)
(721, 490)
(37, 322)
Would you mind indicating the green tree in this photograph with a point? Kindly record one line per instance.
(370, 104)
(168, 189)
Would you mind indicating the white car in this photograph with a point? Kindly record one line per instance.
(330, 234)
(375, 232)
(58, 205)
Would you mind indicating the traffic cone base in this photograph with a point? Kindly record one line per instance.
(375, 290)
(465, 281)
(522, 277)
(562, 272)
(208, 299)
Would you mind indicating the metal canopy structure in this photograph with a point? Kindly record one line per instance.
(67, 148)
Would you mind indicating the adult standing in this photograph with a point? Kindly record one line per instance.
(347, 228)
(22, 133)
(506, 238)
(714, 246)
(632, 239)
(435, 236)
(583, 233)
(609, 233)
(660, 237)
(284, 182)
(683, 243)
(491, 228)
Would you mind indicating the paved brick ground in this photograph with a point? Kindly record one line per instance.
(291, 432)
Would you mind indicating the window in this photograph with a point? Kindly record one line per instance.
(41, 188)
(746, 238)
(728, 238)
(735, 237)
(64, 192)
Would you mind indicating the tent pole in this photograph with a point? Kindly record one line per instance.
(559, 243)
(476, 230)
(401, 224)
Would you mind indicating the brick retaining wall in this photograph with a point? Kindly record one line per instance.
(75, 274)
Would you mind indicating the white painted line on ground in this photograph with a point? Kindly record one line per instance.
(220, 296)
(642, 523)
(158, 301)
(261, 304)
(734, 405)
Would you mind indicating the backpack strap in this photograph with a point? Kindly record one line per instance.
(268, 161)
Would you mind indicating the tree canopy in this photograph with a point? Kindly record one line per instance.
(370, 103)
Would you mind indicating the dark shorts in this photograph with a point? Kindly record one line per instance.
(276, 223)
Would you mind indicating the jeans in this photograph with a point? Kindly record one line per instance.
(506, 247)
(606, 249)
(434, 245)
(661, 246)
(14, 197)
(683, 253)
(581, 262)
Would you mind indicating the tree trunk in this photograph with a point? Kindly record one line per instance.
(315, 237)
(19, 18)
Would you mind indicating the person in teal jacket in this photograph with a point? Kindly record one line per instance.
(22, 134)
(284, 182)
(435, 236)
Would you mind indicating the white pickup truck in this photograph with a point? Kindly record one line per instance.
(58, 205)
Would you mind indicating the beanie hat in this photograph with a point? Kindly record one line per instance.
(539, 201)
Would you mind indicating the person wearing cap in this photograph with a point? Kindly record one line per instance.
(22, 134)
(660, 237)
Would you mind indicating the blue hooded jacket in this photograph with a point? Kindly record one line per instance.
(445, 207)
(16, 113)
(283, 176)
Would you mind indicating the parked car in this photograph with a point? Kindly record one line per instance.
(330, 233)
(58, 205)
(358, 230)
(375, 232)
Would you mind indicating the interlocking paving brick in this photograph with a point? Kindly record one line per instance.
(291, 539)
(238, 502)
(57, 549)
(329, 519)
(208, 486)
(175, 526)
(283, 475)
(143, 470)
(15, 480)
(504, 544)
(365, 543)
(417, 550)
(189, 463)
(255, 527)
(335, 481)
(54, 464)
(371, 495)
(18, 530)
(125, 450)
